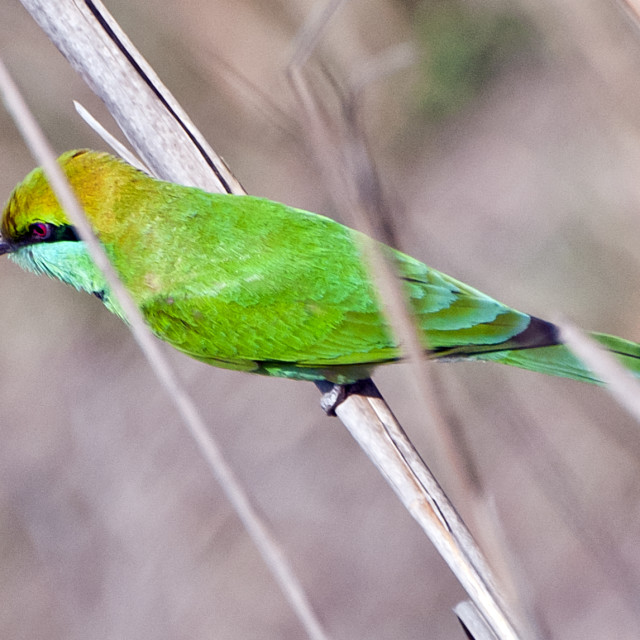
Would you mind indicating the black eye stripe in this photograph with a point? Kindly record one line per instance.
(39, 232)
(65, 233)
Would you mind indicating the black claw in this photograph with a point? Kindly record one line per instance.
(333, 395)
(332, 398)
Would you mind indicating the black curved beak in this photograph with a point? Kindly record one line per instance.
(5, 247)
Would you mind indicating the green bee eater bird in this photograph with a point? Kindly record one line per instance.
(249, 284)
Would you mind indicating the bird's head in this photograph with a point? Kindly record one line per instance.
(38, 236)
(33, 215)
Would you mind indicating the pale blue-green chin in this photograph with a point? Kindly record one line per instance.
(66, 261)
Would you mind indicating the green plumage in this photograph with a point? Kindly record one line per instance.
(246, 283)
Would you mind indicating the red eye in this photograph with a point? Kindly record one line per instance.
(40, 230)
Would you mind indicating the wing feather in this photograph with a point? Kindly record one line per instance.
(290, 287)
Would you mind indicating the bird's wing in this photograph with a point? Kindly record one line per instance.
(453, 315)
(312, 316)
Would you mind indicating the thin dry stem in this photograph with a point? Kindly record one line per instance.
(344, 158)
(388, 447)
(110, 139)
(620, 382)
(632, 8)
(359, 198)
(268, 547)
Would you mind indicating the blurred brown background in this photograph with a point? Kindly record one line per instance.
(510, 154)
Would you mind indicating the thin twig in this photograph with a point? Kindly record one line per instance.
(349, 172)
(619, 381)
(156, 125)
(562, 489)
(110, 139)
(307, 38)
(632, 9)
(472, 622)
(346, 165)
(271, 552)
(372, 423)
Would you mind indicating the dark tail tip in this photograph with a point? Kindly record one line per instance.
(539, 333)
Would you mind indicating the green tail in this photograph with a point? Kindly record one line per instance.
(557, 360)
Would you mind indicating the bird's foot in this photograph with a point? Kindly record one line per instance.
(332, 395)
